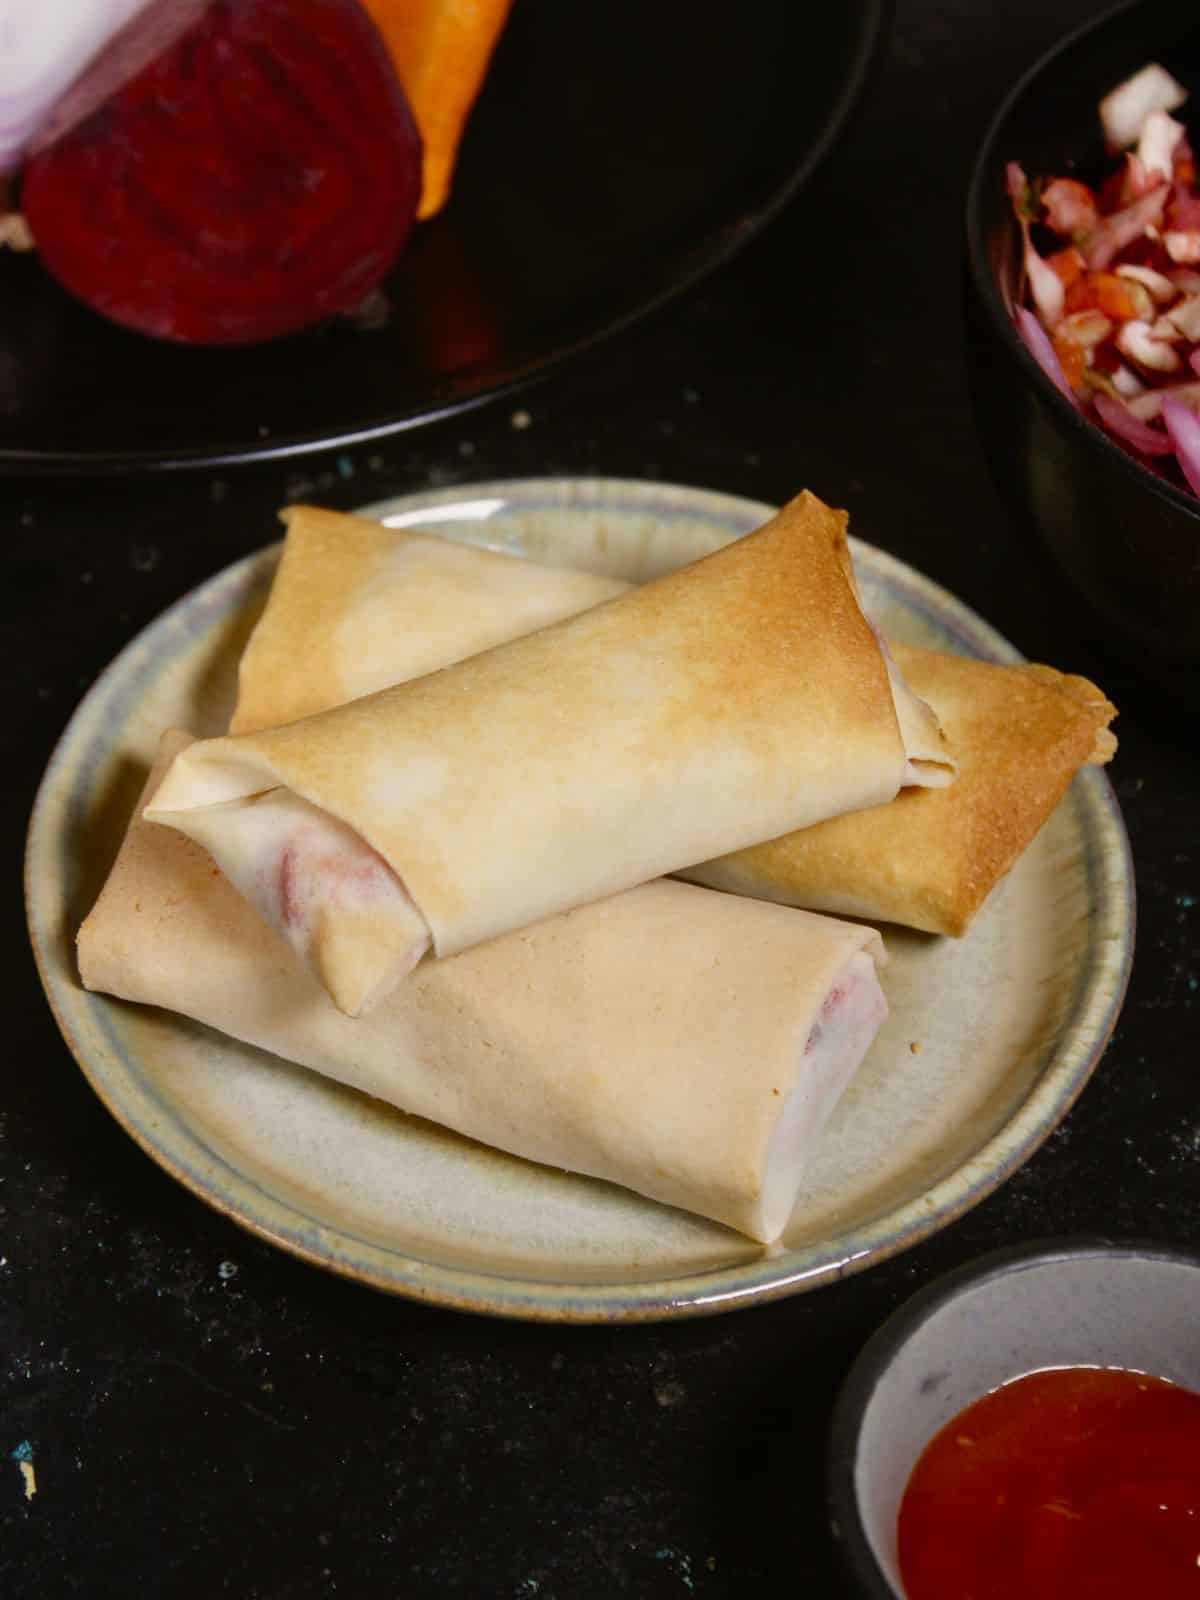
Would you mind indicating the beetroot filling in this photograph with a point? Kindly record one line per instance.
(261, 174)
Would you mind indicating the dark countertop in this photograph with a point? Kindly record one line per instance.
(279, 1433)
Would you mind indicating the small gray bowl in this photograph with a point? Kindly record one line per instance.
(1057, 1303)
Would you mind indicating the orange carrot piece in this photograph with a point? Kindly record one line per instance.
(1073, 358)
(441, 50)
(1104, 291)
(1068, 264)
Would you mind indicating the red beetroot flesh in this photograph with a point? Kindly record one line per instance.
(261, 174)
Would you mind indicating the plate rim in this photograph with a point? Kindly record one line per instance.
(1094, 1009)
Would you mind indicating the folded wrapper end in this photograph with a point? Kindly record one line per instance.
(1089, 699)
(928, 760)
(320, 886)
(851, 1015)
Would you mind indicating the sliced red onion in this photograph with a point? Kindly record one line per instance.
(1124, 110)
(1183, 244)
(1184, 428)
(1157, 142)
(151, 31)
(1126, 383)
(1137, 340)
(43, 47)
(1123, 227)
(1045, 285)
(1149, 405)
(1117, 417)
(1037, 342)
(1016, 182)
(1159, 286)
(1086, 328)
(1184, 316)
(1163, 328)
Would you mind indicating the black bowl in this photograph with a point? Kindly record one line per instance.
(1126, 540)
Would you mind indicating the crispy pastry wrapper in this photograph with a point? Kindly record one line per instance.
(931, 857)
(684, 1044)
(356, 605)
(726, 703)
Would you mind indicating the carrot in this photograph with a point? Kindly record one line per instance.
(1104, 291)
(1074, 360)
(1067, 264)
(440, 49)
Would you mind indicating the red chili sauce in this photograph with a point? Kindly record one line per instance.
(1076, 1484)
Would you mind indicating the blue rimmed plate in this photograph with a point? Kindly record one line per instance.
(1010, 1021)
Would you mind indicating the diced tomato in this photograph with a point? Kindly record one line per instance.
(1066, 264)
(1104, 291)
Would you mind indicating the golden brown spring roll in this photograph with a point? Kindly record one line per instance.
(726, 703)
(685, 1044)
(356, 605)
(931, 857)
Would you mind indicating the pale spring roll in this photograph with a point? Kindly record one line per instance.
(356, 605)
(685, 1044)
(729, 702)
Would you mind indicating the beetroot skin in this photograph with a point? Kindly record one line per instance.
(261, 174)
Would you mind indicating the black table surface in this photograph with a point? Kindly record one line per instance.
(277, 1432)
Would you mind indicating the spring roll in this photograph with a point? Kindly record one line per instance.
(684, 1044)
(356, 605)
(729, 702)
(931, 858)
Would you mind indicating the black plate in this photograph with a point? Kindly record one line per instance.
(620, 149)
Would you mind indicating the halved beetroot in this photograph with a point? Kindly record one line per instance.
(260, 174)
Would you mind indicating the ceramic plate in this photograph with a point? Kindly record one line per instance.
(618, 152)
(1009, 1021)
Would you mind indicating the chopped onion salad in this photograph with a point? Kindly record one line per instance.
(1109, 300)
